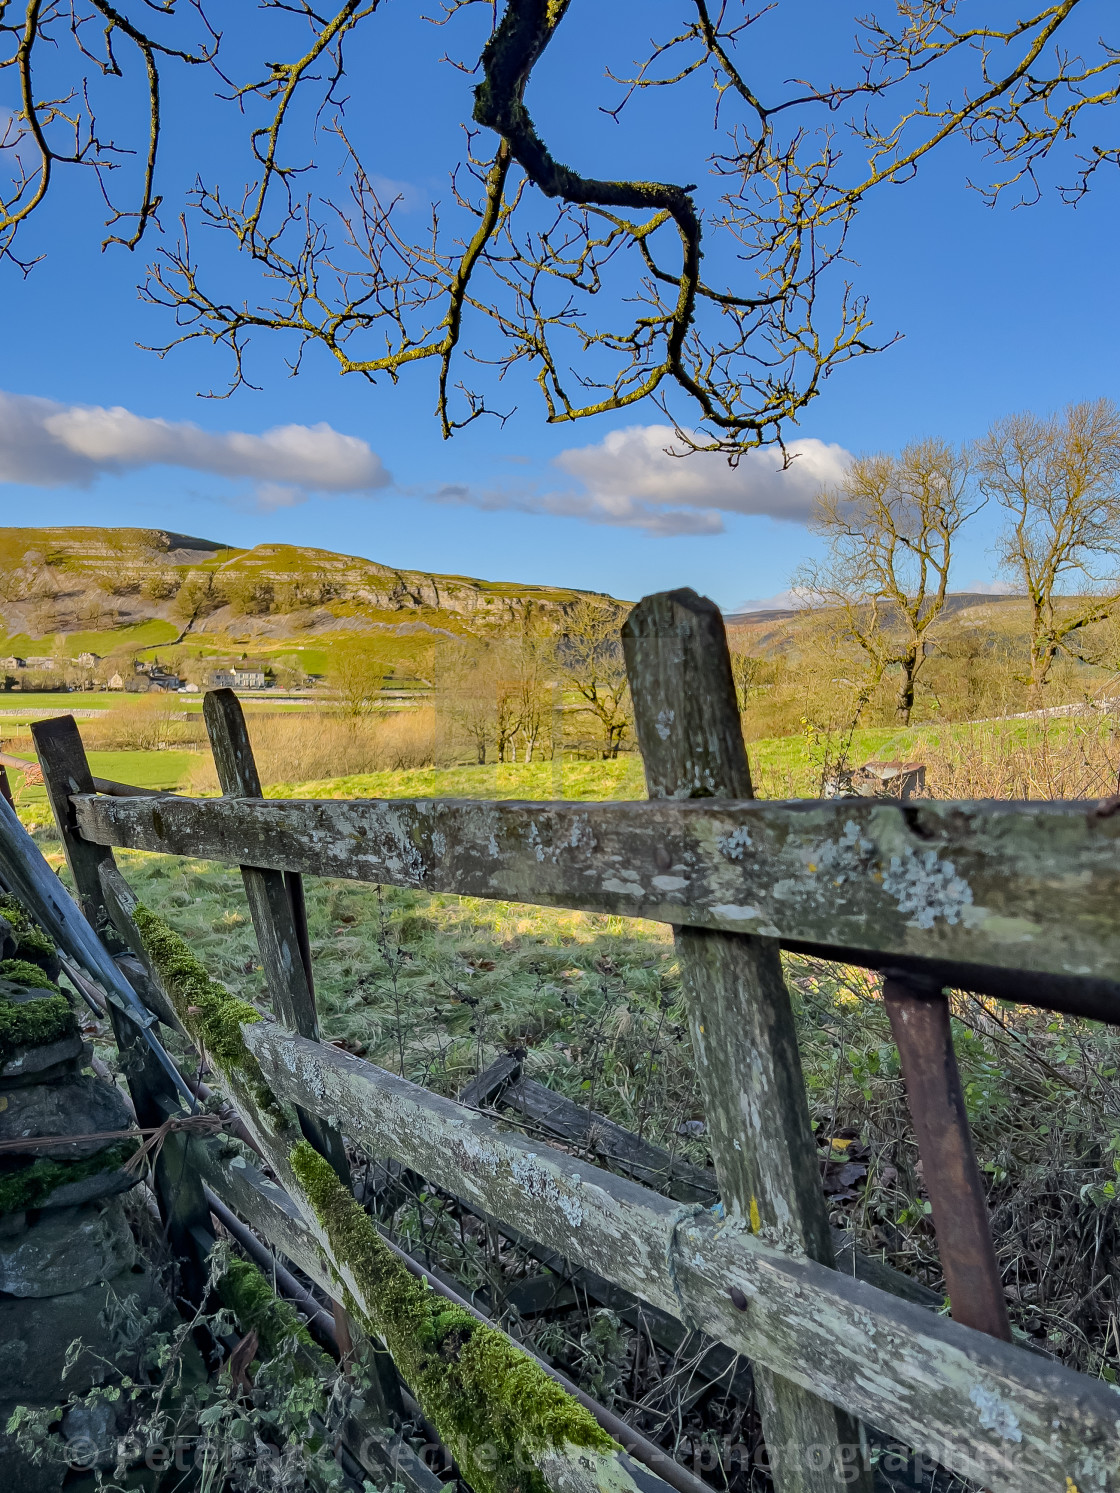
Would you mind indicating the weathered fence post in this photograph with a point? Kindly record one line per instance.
(178, 1187)
(271, 905)
(691, 739)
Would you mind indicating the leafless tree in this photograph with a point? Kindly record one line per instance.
(589, 656)
(890, 526)
(725, 303)
(1058, 480)
(357, 676)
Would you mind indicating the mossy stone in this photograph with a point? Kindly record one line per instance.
(29, 1018)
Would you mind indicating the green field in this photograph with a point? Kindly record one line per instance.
(153, 633)
(143, 769)
(20, 706)
(537, 780)
(790, 766)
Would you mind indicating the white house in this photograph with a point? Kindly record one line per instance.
(238, 679)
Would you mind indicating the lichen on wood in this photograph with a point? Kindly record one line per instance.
(489, 1400)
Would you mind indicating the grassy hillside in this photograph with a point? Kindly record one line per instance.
(190, 602)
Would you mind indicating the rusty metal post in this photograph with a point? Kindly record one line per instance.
(919, 1017)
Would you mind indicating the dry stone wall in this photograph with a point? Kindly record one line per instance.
(69, 1265)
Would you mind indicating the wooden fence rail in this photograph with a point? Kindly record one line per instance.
(1022, 895)
(1016, 900)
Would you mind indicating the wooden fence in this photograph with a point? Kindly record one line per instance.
(1015, 900)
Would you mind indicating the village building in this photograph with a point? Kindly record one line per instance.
(238, 679)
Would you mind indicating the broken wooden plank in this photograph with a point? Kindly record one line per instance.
(1028, 886)
(562, 1118)
(488, 1085)
(980, 1407)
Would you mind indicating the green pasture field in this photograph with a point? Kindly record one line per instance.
(153, 633)
(789, 766)
(18, 706)
(142, 769)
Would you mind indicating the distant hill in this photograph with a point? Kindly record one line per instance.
(117, 592)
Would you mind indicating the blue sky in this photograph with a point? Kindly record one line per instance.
(999, 310)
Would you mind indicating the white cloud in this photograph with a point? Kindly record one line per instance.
(404, 195)
(629, 480)
(47, 444)
(588, 506)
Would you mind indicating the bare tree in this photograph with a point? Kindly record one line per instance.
(357, 676)
(466, 696)
(1058, 480)
(890, 526)
(725, 302)
(590, 660)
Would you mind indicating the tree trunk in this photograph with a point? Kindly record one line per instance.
(1043, 653)
(905, 703)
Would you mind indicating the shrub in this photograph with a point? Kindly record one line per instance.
(143, 723)
(310, 746)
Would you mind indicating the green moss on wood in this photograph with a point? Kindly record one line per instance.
(209, 1012)
(34, 1023)
(22, 972)
(32, 1185)
(488, 1399)
(247, 1293)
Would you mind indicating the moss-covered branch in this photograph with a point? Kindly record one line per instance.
(508, 1423)
(247, 1293)
(209, 1013)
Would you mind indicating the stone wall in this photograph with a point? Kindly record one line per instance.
(69, 1266)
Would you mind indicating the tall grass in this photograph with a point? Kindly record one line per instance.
(1068, 759)
(326, 744)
